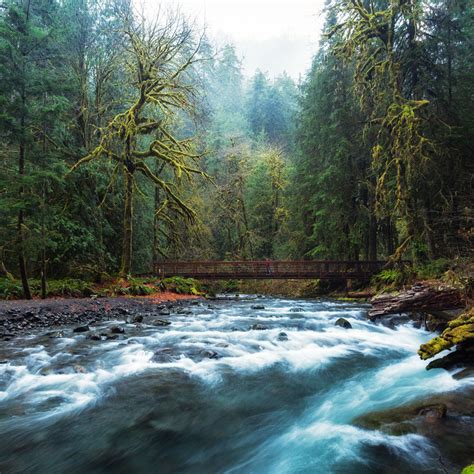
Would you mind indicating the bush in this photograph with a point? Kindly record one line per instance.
(186, 286)
(138, 288)
(316, 288)
(433, 269)
(68, 287)
(10, 289)
(392, 278)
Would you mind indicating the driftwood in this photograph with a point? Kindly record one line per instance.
(422, 297)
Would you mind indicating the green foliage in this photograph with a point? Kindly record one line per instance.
(10, 289)
(392, 278)
(433, 269)
(139, 289)
(185, 286)
(468, 469)
(69, 287)
(370, 155)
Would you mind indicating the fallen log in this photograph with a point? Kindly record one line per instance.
(421, 297)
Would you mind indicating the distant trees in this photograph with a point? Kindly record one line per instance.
(271, 108)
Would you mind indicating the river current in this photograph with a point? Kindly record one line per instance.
(223, 389)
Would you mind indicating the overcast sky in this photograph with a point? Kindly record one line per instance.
(274, 36)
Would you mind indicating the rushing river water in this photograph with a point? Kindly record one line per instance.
(209, 394)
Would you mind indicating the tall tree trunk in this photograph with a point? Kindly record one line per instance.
(126, 264)
(372, 238)
(21, 173)
(156, 223)
(21, 214)
(390, 237)
(43, 215)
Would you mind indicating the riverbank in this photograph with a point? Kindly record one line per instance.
(19, 317)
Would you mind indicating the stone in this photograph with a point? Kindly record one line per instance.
(433, 412)
(296, 309)
(161, 322)
(117, 330)
(136, 319)
(258, 306)
(283, 336)
(163, 355)
(464, 374)
(81, 329)
(343, 323)
(210, 354)
(258, 327)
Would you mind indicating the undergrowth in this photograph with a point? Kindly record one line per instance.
(74, 288)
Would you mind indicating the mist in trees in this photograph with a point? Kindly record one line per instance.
(126, 140)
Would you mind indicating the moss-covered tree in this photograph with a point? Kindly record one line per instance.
(156, 58)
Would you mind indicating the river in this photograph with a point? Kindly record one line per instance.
(213, 393)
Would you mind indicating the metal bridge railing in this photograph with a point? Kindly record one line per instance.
(271, 269)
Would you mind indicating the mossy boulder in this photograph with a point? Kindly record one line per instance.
(460, 332)
(468, 469)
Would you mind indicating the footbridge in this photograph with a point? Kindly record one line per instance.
(271, 269)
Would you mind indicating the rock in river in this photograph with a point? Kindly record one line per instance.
(82, 329)
(210, 354)
(283, 336)
(161, 322)
(117, 330)
(135, 319)
(344, 323)
(258, 306)
(258, 327)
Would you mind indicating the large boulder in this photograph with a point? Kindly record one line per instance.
(460, 333)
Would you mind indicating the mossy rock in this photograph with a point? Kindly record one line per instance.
(402, 420)
(468, 469)
(459, 331)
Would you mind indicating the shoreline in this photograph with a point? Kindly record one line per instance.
(19, 317)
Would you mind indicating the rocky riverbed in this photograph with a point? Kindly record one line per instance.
(23, 317)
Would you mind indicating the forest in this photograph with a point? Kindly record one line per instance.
(127, 140)
(328, 324)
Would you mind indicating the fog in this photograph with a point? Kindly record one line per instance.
(272, 36)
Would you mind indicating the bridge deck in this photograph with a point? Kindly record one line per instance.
(281, 269)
